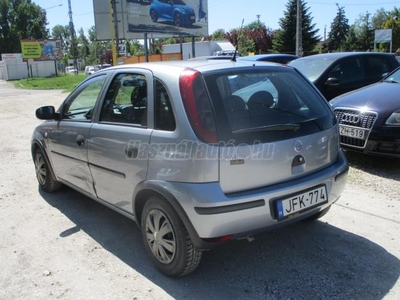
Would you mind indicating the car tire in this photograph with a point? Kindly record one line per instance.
(318, 215)
(153, 15)
(172, 251)
(177, 20)
(44, 175)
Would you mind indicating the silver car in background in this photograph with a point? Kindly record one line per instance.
(196, 152)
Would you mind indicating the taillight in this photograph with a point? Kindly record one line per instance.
(197, 106)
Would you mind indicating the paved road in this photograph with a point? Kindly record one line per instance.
(67, 246)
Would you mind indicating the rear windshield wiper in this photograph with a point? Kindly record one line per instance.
(279, 127)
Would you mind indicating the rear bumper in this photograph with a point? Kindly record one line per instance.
(214, 214)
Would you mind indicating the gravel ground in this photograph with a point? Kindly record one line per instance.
(66, 246)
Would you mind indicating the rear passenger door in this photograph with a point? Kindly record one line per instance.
(119, 138)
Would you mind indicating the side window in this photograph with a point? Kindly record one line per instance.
(348, 70)
(80, 107)
(377, 67)
(126, 100)
(164, 116)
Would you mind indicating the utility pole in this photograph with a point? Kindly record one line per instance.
(73, 37)
(299, 42)
(113, 30)
(114, 8)
(258, 18)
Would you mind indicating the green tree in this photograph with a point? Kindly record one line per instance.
(136, 48)
(83, 45)
(285, 38)
(380, 17)
(62, 33)
(218, 35)
(351, 42)
(20, 19)
(339, 31)
(393, 24)
(237, 38)
(260, 35)
(96, 48)
(363, 33)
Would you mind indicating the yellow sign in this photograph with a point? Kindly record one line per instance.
(41, 49)
(31, 49)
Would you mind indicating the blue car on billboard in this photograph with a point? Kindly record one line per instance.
(175, 11)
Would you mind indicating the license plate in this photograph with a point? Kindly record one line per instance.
(295, 204)
(352, 132)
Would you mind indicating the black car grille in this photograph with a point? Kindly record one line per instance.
(365, 119)
(355, 118)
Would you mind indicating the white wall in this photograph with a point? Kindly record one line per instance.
(12, 69)
(43, 69)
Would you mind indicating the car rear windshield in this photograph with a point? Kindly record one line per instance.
(266, 105)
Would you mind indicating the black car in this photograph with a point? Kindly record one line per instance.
(275, 57)
(338, 73)
(369, 118)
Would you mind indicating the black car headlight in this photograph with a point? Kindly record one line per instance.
(394, 119)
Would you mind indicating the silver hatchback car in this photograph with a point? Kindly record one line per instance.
(196, 152)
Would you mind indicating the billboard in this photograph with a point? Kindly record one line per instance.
(41, 49)
(383, 36)
(158, 18)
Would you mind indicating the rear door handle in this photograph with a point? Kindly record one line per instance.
(80, 140)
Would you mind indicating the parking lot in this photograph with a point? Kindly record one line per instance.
(67, 246)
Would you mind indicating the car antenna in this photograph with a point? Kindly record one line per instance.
(237, 42)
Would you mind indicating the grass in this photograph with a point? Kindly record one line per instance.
(65, 82)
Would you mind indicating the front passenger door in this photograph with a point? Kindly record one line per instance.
(351, 75)
(68, 142)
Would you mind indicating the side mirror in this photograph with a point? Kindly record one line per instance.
(332, 81)
(47, 113)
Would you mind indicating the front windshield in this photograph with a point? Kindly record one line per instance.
(312, 68)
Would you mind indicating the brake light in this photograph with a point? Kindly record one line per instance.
(197, 106)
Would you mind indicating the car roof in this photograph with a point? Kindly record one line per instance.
(200, 65)
(338, 55)
(271, 55)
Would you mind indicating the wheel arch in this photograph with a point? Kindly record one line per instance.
(145, 190)
(37, 145)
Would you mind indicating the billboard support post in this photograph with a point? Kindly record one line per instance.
(146, 49)
(181, 45)
(193, 47)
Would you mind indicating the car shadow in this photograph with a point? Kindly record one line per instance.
(386, 167)
(305, 261)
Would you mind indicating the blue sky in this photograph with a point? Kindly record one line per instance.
(228, 14)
